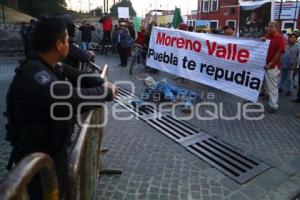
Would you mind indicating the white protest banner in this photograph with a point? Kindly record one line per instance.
(123, 12)
(230, 64)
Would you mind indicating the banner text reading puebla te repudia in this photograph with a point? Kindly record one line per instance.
(231, 64)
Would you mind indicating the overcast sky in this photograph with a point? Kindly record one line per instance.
(140, 6)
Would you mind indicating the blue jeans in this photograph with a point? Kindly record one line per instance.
(85, 46)
(171, 93)
(286, 76)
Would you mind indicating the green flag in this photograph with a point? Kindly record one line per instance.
(177, 19)
(137, 22)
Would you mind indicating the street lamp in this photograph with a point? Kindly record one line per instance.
(280, 8)
(295, 17)
(70, 4)
(80, 6)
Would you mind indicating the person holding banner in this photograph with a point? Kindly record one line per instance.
(228, 30)
(147, 41)
(126, 42)
(140, 40)
(184, 27)
(276, 49)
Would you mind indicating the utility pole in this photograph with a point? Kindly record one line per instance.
(107, 6)
(280, 8)
(70, 4)
(104, 7)
(295, 17)
(198, 9)
(80, 6)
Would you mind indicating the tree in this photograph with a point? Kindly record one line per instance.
(38, 7)
(123, 3)
(97, 11)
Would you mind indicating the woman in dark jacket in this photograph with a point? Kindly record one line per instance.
(126, 42)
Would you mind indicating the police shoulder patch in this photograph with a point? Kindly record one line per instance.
(42, 77)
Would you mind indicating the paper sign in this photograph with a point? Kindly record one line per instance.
(123, 12)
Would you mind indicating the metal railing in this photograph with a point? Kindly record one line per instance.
(11, 46)
(15, 184)
(85, 158)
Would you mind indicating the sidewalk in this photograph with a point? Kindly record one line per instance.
(155, 167)
(7, 66)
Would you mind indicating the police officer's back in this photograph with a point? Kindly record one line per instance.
(31, 127)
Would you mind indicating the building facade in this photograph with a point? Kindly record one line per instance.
(289, 16)
(226, 12)
(218, 12)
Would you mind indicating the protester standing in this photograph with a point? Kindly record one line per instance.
(228, 30)
(76, 56)
(288, 62)
(276, 49)
(23, 32)
(86, 35)
(26, 33)
(190, 29)
(114, 38)
(107, 27)
(126, 42)
(141, 37)
(184, 27)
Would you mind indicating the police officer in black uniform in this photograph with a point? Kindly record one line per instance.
(31, 127)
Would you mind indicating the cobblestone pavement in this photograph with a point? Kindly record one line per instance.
(155, 167)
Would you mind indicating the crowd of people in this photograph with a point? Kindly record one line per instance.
(281, 69)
